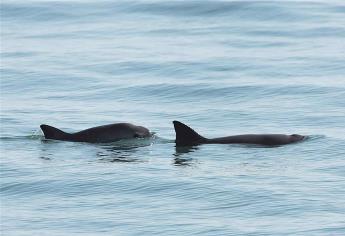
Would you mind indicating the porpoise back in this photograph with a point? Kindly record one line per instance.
(186, 136)
(99, 134)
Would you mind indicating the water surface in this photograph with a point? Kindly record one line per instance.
(222, 67)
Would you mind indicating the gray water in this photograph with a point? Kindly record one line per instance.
(222, 67)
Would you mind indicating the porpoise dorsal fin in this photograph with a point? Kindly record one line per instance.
(51, 132)
(186, 136)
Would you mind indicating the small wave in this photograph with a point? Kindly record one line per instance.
(23, 137)
(260, 10)
(75, 10)
(314, 137)
(50, 11)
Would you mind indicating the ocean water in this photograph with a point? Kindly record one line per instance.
(222, 67)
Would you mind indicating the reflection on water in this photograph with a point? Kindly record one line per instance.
(45, 158)
(179, 151)
(120, 151)
(178, 161)
(118, 154)
(124, 150)
(181, 157)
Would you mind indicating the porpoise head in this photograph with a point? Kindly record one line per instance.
(142, 132)
(296, 138)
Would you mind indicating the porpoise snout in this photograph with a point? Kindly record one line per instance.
(297, 137)
(143, 132)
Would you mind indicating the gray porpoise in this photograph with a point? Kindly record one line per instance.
(99, 134)
(186, 136)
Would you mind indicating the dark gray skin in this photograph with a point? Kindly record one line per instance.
(99, 134)
(185, 136)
